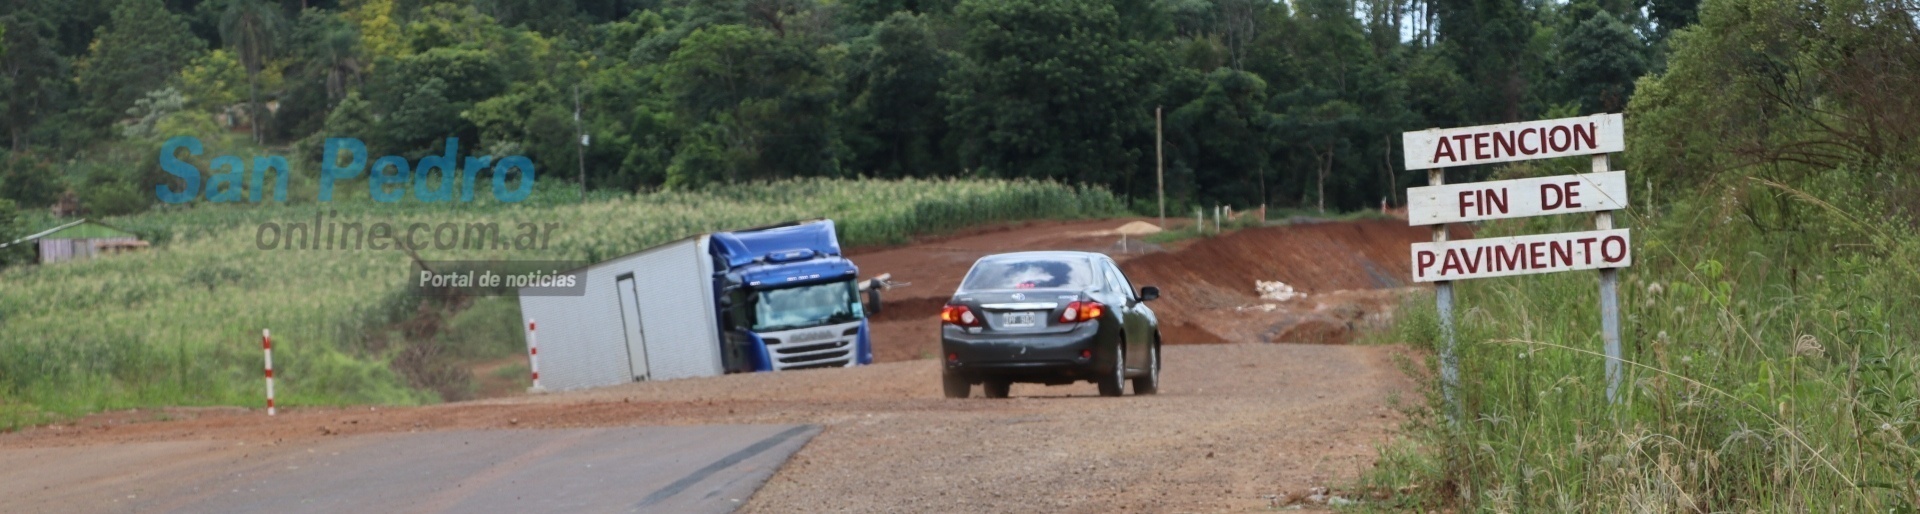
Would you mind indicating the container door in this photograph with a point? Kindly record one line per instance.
(630, 318)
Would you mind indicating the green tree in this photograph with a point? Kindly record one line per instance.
(211, 81)
(30, 73)
(422, 95)
(1050, 89)
(250, 28)
(762, 102)
(12, 227)
(323, 62)
(27, 180)
(896, 122)
(1224, 135)
(871, 11)
(331, 50)
(1599, 60)
(1782, 90)
(1669, 16)
(142, 47)
(1487, 40)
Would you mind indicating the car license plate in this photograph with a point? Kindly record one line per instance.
(1019, 319)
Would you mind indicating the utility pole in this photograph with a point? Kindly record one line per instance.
(1160, 165)
(580, 151)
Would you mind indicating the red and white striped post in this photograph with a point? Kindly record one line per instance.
(533, 358)
(266, 344)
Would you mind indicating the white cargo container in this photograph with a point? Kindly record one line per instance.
(644, 316)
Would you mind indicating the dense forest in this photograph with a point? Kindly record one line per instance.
(1289, 104)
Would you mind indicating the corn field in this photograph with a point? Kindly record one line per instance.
(180, 324)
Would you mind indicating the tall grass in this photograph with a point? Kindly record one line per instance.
(179, 325)
(1771, 368)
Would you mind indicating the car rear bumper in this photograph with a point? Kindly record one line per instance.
(1055, 358)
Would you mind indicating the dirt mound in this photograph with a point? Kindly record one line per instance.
(1352, 274)
(1137, 229)
(1312, 258)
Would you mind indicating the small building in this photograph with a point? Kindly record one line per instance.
(80, 239)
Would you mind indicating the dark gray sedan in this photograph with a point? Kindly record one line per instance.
(1051, 318)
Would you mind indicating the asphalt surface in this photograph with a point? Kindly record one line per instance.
(635, 469)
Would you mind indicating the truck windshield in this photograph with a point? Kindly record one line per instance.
(806, 306)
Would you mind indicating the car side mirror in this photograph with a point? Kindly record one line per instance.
(1149, 293)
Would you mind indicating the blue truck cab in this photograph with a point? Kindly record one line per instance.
(788, 299)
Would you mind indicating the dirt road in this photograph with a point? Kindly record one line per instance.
(1238, 427)
(1233, 426)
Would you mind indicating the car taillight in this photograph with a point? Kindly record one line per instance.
(959, 315)
(1082, 311)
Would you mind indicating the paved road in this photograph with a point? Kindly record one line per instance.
(636, 469)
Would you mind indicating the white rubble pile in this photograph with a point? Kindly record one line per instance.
(1276, 290)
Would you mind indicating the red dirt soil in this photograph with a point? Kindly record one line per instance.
(1353, 273)
(1350, 271)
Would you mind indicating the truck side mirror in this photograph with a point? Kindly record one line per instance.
(873, 301)
(1149, 293)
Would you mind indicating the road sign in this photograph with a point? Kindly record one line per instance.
(1474, 201)
(1521, 255)
(1601, 192)
(1441, 148)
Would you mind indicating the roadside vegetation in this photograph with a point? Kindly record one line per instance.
(1768, 319)
(1288, 104)
(180, 324)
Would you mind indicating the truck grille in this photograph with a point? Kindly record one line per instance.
(810, 354)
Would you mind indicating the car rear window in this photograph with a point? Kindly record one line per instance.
(1029, 273)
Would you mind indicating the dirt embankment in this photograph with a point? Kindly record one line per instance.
(1352, 274)
(1348, 275)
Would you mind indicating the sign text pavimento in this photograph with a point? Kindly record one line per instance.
(1522, 255)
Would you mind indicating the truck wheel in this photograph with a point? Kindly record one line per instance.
(1150, 382)
(1115, 383)
(996, 388)
(955, 384)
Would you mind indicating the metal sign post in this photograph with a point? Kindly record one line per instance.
(1443, 304)
(1609, 295)
(1600, 192)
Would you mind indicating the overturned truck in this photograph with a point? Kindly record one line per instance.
(772, 298)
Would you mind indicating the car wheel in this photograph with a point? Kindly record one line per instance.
(1115, 383)
(996, 388)
(955, 384)
(1149, 383)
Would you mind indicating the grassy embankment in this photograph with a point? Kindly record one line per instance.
(1765, 370)
(1769, 363)
(1769, 318)
(179, 324)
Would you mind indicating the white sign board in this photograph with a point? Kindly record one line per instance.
(1522, 255)
(1475, 201)
(1441, 148)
